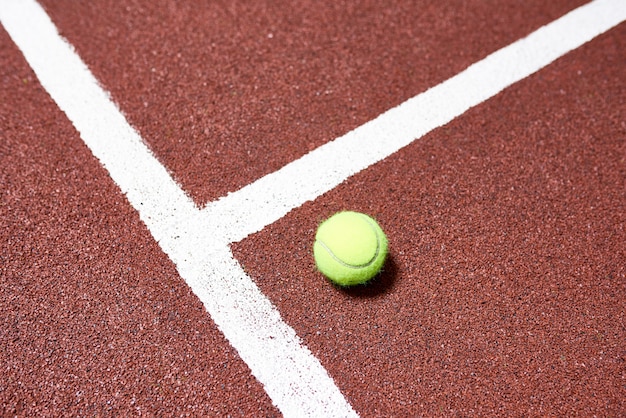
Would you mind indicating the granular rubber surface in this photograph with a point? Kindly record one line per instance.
(94, 319)
(505, 290)
(228, 92)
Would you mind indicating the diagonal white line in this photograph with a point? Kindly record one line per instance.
(294, 379)
(98, 120)
(197, 240)
(268, 199)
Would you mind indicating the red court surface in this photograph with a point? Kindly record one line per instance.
(242, 89)
(95, 320)
(505, 290)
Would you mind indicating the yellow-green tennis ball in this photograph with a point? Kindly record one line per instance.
(350, 248)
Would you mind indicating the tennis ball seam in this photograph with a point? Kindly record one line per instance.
(356, 266)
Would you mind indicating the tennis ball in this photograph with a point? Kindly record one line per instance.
(350, 248)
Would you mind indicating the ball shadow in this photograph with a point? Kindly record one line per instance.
(381, 284)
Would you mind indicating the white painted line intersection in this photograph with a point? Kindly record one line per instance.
(197, 239)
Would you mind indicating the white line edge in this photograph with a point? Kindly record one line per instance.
(197, 240)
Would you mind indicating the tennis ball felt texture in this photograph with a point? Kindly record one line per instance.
(350, 248)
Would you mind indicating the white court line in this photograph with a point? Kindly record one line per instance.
(268, 199)
(197, 240)
(292, 376)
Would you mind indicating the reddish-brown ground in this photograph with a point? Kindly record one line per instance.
(94, 319)
(505, 292)
(230, 91)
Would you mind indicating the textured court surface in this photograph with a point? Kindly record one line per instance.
(505, 292)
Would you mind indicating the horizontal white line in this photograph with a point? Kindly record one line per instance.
(197, 240)
(268, 199)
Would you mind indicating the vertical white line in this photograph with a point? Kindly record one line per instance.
(294, 379)
(101, 125)
(197, 240)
